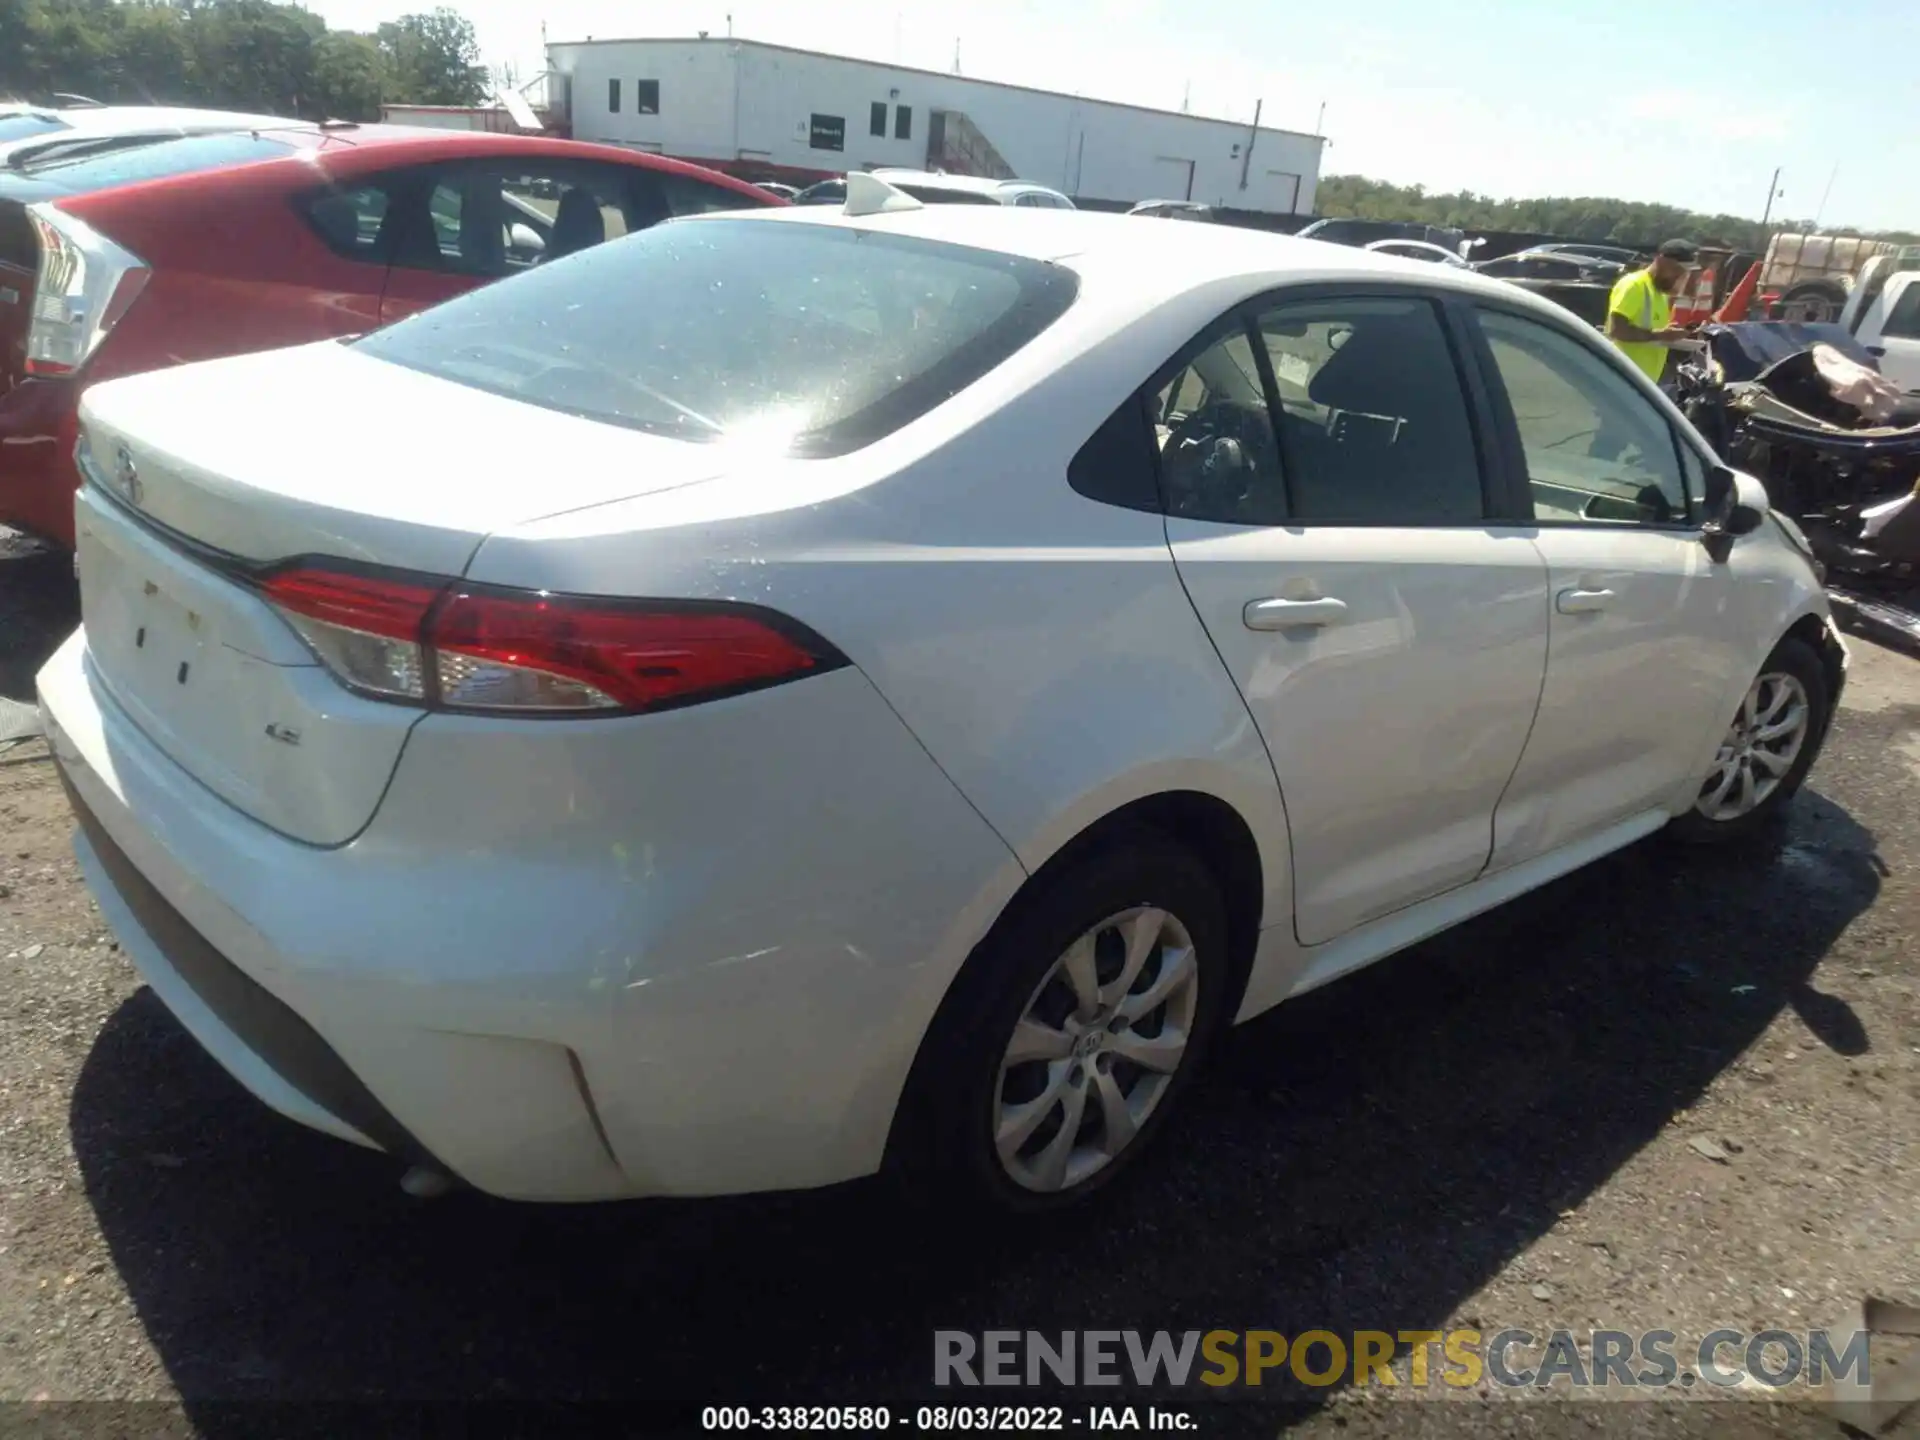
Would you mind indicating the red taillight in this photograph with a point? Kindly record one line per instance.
(489, 649)
(374, 604)
(593, 654)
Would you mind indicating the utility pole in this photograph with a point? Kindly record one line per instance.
(956, 54)
(1773, 193)
(1246, 158)
(1320, 120)
(1832, 175)
(1186, 99)
(729, 25)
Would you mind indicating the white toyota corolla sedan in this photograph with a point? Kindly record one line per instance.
(790, 695)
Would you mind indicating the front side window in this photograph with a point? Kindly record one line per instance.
(1596, 449)
(782, 339)
(1373, 420)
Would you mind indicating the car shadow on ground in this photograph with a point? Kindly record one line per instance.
(1367, 1156)
(39, 606)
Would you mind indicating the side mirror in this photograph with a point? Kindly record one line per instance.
(524, 239)
(1736, 505)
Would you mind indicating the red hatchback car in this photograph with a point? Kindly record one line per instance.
(190, 249)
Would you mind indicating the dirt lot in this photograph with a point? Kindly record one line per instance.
(1495, 1129)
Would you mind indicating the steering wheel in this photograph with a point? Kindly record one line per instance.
(1213, 455)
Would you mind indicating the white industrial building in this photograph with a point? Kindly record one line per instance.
(768, 112)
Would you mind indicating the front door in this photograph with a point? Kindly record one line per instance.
(1646, 633)
(1326, 509)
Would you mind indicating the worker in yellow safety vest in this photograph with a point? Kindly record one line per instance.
(1640, 310)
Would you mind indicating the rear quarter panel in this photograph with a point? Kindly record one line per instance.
(1037, 643)
(236, 268)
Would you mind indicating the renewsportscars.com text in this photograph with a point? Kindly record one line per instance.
(1416, 1359)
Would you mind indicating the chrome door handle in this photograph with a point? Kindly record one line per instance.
(1582, 602)
(1280, 614)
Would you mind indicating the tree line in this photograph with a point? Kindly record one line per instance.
(1624, 222)
(258, 55)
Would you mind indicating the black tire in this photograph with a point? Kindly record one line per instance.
(1814, 301)
(942, 1145)
(1795, 658)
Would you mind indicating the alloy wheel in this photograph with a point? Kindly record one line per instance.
(1758, 753)
(1095, 1049)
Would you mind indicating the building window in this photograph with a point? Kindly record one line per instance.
(903, 122)
(646, 97)
(827, 132)
(613, 97)
(877, 119)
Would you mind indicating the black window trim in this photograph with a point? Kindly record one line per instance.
(1496, 488)
(1507, 426)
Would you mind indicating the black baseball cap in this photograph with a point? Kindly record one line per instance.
(1685, 251)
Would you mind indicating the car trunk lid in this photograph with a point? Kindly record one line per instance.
(201, 480)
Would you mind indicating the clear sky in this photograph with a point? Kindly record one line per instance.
(1684, 102)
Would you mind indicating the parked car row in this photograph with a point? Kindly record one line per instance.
(652, 726)
(134, 253)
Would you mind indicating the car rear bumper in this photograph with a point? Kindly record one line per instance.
(562, 1001)
(38, 424)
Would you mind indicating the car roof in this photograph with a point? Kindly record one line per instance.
(1156, 261)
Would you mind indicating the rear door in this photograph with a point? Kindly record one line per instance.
(1646, 633)
(1387, 630)
(470, 222)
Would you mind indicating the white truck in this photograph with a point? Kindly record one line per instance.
(1883, 312)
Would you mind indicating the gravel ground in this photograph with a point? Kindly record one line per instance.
(1498, 1128)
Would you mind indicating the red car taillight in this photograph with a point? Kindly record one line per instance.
(487, 649)
(85, 285)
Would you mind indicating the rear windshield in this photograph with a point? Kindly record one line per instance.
(20, 127)
(158, 160)
(804, 339)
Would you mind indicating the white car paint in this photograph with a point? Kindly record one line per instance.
(1891, 325)
(123, 122)
(1001, 192)
(1421, 250)
(697, 951)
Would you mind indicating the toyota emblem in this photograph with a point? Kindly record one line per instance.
(126, 476)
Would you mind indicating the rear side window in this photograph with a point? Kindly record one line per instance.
(160, 160)
(804, 340)
(351, 221)
(1373, 422)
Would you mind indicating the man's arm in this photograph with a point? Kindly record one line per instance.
(1627, 297)
(1619, 327)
